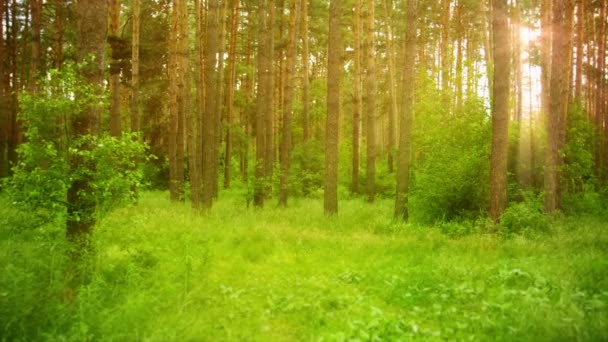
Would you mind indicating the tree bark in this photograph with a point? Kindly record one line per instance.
(230, 91)
(500, 109)
(135, 37)
(334, 66)
(407, 102)
(58, 34)
(264, 100)
(291, 54)
(356, 137)
(392, 81)
(211, 107)
(370, 99)
(115, 127)
(552, 156)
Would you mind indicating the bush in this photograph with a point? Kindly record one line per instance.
(46, 170)
(449, 161)
(524, 217)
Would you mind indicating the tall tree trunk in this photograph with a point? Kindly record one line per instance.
(291, 52)
(58, 34)
(407, 104)
(4, 110)
(545, 56)
(601, 118)
(264, 98)
(392, 116)
(558, 56)
(178, 51)
(211, 106)
(580, 29)
(370, 99)
(115, 127)
(445, 53)
(333, 109)
(305, 73)
(219, 92)
(356, 137)
(36, 10)
(230, 90)
(92, 16)
(500, 109)
(269, 105)
(135, 37)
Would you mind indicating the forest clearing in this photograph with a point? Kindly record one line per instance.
(303, 170)
(163, 274)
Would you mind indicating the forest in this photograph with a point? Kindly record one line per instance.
(319, 170)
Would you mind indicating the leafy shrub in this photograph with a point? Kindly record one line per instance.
(46, 169)
(524, 217)
(450, 160)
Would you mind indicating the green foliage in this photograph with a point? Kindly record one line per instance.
(450, 159)
(578, 173)
(524, 217)
(46, 168)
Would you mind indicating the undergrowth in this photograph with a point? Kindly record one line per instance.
(162, 273)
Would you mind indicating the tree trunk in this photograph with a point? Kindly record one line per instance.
(4, 110)
(135, 36)
(334, 66)
(392, 81)
(356, 137)
(445, 53)
(558, 57)
(230, 91)
(219, 93)
(58, 34)
(500, 109)
(269, 105)
(305, 73)
(291, 52)
(211, 107)
(601, 117)
(115, 129)
(580, 29)
(36, 10)
(264, 98)
(178, 51)
(370, 99)
(407, 102)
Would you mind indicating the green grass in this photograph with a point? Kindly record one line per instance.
(161, 273)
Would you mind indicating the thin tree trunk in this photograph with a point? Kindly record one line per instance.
(264, 98)
(4, 111)
(291, 52)
(370, 100)
(333, 110)
(176, 108)
(305, 73)
(269, 106)
(58, 36)
(392, 116)
(357, 99)
(219, 93)
(500, 109)
(445, 53)
(115, 127)
(407, 102)
(230, 91)
(580, 29)
(36, 11)
(135, 66)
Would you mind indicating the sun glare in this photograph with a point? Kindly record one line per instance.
(526, 34)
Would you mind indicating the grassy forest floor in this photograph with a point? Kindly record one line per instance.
(161, 273)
